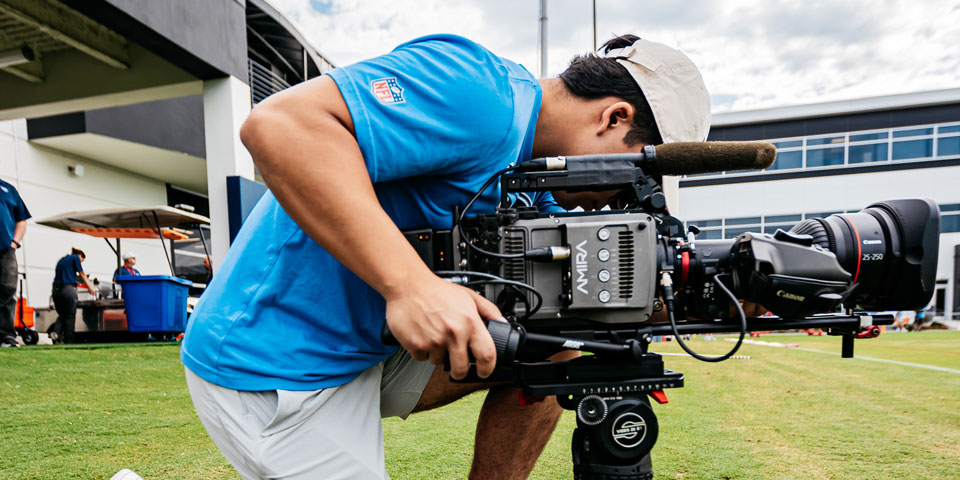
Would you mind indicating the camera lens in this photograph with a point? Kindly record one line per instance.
(889, 249)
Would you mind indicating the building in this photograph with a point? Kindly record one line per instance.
(120, 103)
(840, 157)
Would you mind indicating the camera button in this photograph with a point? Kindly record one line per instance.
(603, 234)
(603, 275)
(604, 296)
(603, 255)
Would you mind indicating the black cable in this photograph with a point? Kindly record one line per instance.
(515, 284)
(668, 297)
(469, 204)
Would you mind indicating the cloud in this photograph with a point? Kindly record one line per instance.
(753, 54)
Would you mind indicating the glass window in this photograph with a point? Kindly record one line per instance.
(188, 256)
(824, 141)
(876, 152)
(795, 143)
(787, 160)
(710, 235)
(706, 223)
(950, 129)
(869, 136)
(771, 229)
(733, 232)
(948, 146)
(782, 218)
(912, 149)
(744, 221)
(825, 156)
(954, 207)
(913, 133)
(820, 215)
(950, 223)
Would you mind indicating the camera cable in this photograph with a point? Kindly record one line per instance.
(463, 213)
(493, 279)
(667, 283)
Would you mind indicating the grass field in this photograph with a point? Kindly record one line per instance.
(87, 412)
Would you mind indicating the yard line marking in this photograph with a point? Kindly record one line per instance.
(884, 360)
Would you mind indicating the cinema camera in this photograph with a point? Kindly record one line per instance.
(599, 281)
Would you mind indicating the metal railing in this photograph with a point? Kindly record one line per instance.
(263, 82)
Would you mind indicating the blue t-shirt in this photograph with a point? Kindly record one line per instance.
(12, 210)
(434, 119)
(124, 271)
(67, 268)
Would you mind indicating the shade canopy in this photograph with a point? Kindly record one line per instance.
(127, 222)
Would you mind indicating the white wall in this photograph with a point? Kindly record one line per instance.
(43, 180)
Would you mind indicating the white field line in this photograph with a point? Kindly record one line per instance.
(895, 362)
(861, 357)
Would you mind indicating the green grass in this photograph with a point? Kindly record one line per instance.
(87, 412)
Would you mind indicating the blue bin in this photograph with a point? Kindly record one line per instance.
(155, 303)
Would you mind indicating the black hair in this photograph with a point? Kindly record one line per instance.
(77, 251)
(590, 77)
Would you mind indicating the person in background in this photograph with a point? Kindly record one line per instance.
(65, 294)
(129, 260)
(13, 224)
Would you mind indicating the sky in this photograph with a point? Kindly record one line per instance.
(752, 53)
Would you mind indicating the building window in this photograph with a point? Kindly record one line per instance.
(820, 214)
(736, 226)
(860, 148)
(787, 160)
(824, 141)
(948, 146)
(876, 152)
(870, 136)
(950, 218)
(912, 149)
(780, 222)
(913, 133)
(709, 229)
(824, 157)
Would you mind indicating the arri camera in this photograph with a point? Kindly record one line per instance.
(607, 282)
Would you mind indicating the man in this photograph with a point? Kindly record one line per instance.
(64, 294)
(283, 353)
(129, 260)
(13, 225)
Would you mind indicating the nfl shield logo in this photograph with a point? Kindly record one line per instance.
(387, 90)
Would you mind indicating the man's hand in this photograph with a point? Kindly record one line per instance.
(434, 319)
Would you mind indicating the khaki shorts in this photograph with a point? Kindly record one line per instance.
(333, 433)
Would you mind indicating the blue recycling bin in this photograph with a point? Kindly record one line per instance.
(155, 303)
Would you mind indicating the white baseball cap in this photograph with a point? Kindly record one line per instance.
(127, 255)
(672, 86)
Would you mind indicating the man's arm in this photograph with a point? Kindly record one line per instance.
(86, 281)
(302, 141)
(19, 229)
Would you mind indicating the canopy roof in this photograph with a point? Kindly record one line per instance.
(126, 222)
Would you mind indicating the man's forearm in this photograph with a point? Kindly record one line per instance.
(19, 230)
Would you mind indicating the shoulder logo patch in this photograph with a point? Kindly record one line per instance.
(387, 90)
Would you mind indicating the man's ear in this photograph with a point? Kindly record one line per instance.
(617, 114)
